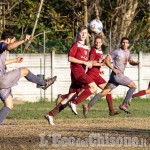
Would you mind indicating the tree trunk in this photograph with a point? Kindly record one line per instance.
(36, 21)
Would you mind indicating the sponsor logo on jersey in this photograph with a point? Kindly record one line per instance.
(84, 57)
(99, 52)
(83, 46)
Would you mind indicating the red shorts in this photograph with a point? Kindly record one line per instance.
(75, 88)
(96, 77)
(81, 78)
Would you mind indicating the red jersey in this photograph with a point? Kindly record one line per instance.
(94, 55)
(81, 52)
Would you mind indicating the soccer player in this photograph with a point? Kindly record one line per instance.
(96, 55)
(10, 79)
(120, 57)
(140, 93)
(78, 56)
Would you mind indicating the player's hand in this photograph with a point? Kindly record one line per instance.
(19, 59)
(27, 38)
(88, 64)
(102, 72)
(103, 64)
(100, 60)
(116, 71)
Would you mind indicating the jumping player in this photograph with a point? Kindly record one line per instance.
(119, 57)
(78, 56)
(10, 79)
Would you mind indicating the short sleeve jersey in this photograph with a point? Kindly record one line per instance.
(2, 58)
(81, 52)
(120, 58)
(94, 55)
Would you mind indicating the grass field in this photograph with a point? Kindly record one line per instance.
(25, 127)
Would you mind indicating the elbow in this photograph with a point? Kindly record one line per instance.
(69, 59)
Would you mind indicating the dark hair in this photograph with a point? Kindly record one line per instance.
(125, 38)
(97, 37)
(82, 27)
(7, 34)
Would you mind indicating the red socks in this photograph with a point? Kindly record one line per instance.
(56, 110)
(85, 94)
(141, 93)
(110, 102)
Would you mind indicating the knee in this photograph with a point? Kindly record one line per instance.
(148, 91)
(25, 71)
(94, 88)
(10, 106)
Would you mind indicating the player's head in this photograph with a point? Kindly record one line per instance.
(98, 42)
(82, 33)
(8, 36)
(124, 43)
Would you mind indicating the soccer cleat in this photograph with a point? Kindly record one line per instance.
(59, 99)
(114, 112)
(49, 82)
(85, 110)
(49, 119)
(73, 108)
(125, 109)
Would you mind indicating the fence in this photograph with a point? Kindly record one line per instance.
(57, 64)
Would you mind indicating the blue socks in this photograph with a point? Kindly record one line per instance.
(3, 113)
(35, 79)
(94, 100)
(129, 95)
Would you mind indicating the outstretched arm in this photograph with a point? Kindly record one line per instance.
(133, 63)
(16, 44)
(17, 60)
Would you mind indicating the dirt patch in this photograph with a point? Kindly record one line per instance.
(75, 134)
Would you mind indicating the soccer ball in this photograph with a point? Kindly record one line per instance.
(96, 26)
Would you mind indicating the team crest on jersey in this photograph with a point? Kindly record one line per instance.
(85, 52)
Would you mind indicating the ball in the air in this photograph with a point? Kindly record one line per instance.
(96, 26)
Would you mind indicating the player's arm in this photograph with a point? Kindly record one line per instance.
(107, 62)
(77, 61)
(98, 62)
(15, 44)
(17, 60)
(134, 63)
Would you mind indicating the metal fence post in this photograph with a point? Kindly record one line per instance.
(140, 56)
(52, 71)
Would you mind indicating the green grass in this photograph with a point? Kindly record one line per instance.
(139, 108)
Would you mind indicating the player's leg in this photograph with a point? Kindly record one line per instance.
(91, 88)
(49, 116)
(8, 106)
(35, 79)
(109, 99)
(60, 98)
(86, 107)
(142, 92)
(85, 94)
(132, 88)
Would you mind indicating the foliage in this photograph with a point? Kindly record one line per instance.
(61, 19)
